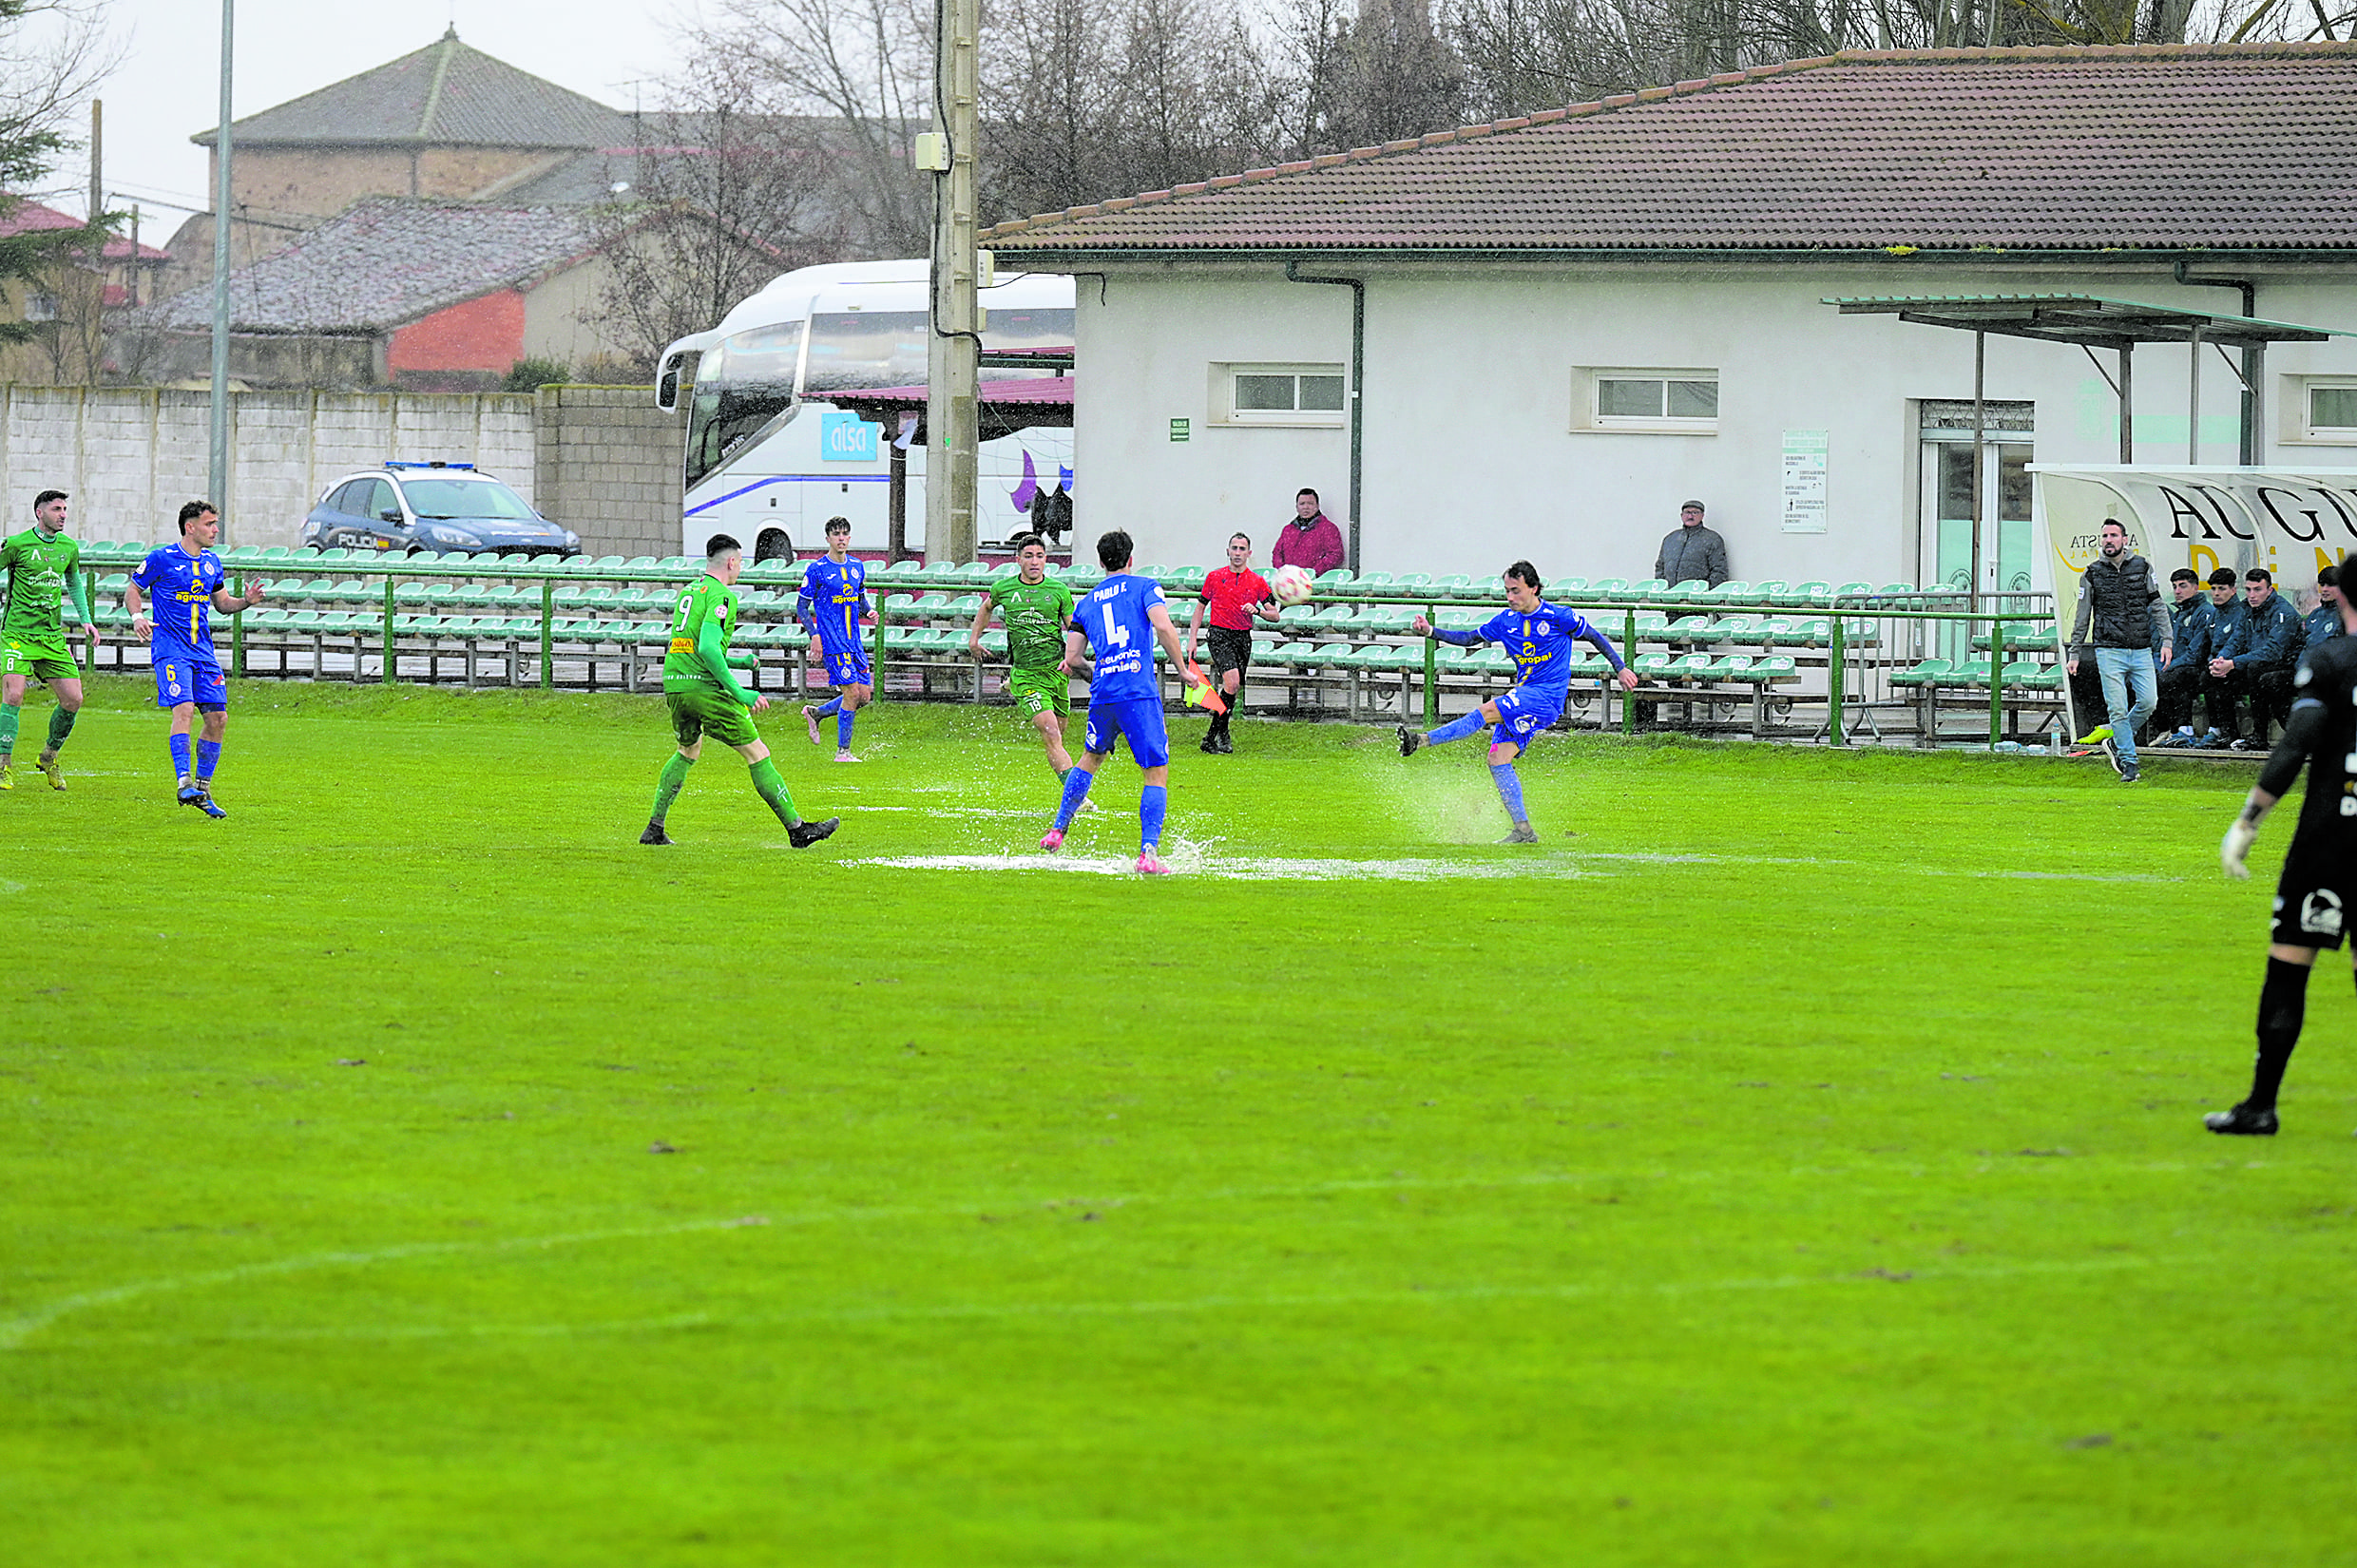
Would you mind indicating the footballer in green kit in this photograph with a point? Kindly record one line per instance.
(705, 698)
(43, 567)
(1037, 611)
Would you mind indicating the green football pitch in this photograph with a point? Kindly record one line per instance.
(1794, 1158)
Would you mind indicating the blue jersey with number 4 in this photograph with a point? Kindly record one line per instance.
(1121, 637)
(833, 600)
(180, 587)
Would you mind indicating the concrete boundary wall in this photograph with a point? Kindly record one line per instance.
(603, 461)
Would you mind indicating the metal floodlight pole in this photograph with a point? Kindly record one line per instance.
(217, 475)
(952, 423)
(1980, 446)
(2192, 402)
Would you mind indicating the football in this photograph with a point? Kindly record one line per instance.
(1292, 584)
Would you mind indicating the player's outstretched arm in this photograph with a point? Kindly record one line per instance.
(2301, 732)
(1074, 660)
(1166, 633)
(1602, 644)
(713, 653)
(230, 603)
(1194, 623)
(981, 623)
(142, 627)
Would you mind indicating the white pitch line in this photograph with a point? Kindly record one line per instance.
(14, 1331)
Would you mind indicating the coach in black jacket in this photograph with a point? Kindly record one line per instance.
(2254, 661)
(2120, 611)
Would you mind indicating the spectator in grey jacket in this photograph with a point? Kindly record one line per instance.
(2254, 661)
(2119, 605)
(1692, 553)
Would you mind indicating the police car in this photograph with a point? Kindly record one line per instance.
(448, 508)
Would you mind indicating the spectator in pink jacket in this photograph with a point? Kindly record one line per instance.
(1310, 540)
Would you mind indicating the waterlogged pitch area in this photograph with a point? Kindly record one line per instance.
(1801, 1164)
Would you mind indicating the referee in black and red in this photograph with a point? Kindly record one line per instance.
(1233, 594)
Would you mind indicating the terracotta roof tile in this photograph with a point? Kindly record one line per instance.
(2150, 145)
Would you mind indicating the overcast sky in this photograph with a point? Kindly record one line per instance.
(167, 89)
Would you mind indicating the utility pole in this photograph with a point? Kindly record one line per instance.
(217, 475)
(953, 367)
(98, 185)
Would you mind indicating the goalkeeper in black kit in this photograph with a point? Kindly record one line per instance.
(2318, 893)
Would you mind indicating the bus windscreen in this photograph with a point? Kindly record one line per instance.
(742, 385)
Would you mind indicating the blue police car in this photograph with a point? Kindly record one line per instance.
(448, 508)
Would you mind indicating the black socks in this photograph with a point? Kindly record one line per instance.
(2283, 1005)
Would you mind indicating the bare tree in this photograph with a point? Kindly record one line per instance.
(866, 65)
(52, 53)
(718, 202)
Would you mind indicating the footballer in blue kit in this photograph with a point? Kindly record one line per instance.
(1119, 622)
(185, 582)
(832, 601)
(1540, 636)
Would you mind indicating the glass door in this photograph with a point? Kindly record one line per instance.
(2005, 550)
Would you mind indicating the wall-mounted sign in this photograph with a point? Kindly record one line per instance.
(1181, 430)
(846, 438)
(1804, 480)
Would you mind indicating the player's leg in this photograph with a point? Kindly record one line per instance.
(11, 708)
(2283, 1007)
(855, 696)
(687, 728)
(1149, 742)
(1051, 725)
(763, 773)
(212, 723)
(1412, 741)
(1096, 745)
(68, 689)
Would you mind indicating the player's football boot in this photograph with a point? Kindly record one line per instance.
(8, 776)
(205, 803)
(1150, 864)
(654, 834)
(2242, 1120)
(810, 717)
(50, 771)
(2110, 755)
(1411, 740)
(1052, 839)
(1523, 834)
(845, 756)
(190, 794)
(803, 834)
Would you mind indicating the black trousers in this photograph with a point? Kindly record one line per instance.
(2267, 691)
(2180, 684)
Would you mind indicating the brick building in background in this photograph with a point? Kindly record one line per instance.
(71, 306)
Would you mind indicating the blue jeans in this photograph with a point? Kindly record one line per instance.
(2127, 672)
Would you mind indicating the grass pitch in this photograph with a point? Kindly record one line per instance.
(1800, 1165)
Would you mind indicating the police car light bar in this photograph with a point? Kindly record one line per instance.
(437, 463)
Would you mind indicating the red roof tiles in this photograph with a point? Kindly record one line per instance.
(2145, 146)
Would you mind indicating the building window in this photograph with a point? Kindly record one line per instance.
(1313, 396)
(1655, 401)
(40, 307)
(2317, 410)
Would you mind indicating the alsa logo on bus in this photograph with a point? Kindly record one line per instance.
(846, 438)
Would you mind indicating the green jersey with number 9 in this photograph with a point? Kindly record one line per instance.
(709, 600)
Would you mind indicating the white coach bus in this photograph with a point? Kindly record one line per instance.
(769, 459)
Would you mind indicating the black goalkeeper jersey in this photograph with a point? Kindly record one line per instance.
(2327, 675)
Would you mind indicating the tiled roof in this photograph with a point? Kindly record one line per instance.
(27, 216)
(446, 93)
(2222, 145)
(384, 261)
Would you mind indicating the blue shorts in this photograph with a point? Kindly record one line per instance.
(848, 667)
(1523, 711)
(187, 677)
(1139, 717)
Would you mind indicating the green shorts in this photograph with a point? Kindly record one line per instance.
(1037, 692)
(41, 660)
(709, 712)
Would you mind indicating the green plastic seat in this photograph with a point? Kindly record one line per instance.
(2034, 675)
(1650, 666)
(1608, 587)
(1373, 581)
(1733, 668)
(1729, 592)
(1334, 580)
(1972, 672)
(1813, 594)
(1775, 667)
(1693, 666)
(1692, 629)
(1768, 591)
(1850, 593)
(1682, 592)
(1928, 672)
(1568, 587)
(1411, 582)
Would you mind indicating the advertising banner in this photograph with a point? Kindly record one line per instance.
(2291, 522)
